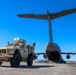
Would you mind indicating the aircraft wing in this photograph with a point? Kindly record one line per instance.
(68, 53)
(39, 53)
(61, 53)
(45, 16)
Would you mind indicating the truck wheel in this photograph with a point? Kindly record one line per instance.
(0, 63)
(15, 61)
(30, 61)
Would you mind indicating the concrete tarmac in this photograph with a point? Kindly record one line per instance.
(38, 69)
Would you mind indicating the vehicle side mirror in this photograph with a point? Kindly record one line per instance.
(34, 44)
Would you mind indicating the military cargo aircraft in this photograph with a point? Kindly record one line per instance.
(53, 51)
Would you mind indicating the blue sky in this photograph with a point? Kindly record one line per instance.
(33, 30)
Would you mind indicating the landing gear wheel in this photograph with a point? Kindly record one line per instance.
(30, 61)
(15, 61)
(0, 63)
(61, 61)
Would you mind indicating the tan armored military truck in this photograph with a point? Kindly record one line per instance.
(16, 52)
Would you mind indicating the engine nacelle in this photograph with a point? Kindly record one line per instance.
(68, 56)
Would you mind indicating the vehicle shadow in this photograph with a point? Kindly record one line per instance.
(30, 67)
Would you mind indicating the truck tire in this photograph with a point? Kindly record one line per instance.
(0, 63)
(30, 61)
(15, 61)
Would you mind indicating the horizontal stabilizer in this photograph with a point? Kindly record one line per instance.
(45, 16)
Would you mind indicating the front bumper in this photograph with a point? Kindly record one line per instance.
(5, 56)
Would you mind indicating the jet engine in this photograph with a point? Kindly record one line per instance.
(68, 56)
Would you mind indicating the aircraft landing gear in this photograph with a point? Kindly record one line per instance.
(62, 61)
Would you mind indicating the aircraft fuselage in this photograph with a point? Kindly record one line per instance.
(53, 52)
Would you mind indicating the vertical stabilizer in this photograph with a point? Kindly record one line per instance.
(50, 26)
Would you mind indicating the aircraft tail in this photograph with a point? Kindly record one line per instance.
(48, 17)
(52, 15)
(50, 26)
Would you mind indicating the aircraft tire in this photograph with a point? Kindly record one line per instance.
(62, 61)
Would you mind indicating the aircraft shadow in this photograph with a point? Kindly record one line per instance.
(30, 67)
